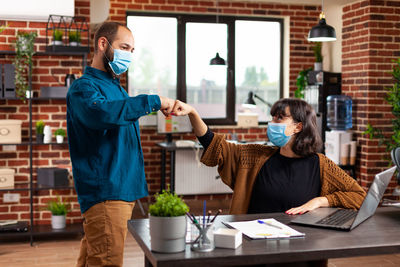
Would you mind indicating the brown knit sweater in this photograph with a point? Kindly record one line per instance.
(238, 166)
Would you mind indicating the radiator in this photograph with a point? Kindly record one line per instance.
(193, 179)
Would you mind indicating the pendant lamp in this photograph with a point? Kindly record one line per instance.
(217, 60)
(322, 32)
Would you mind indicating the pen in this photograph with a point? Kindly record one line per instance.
(190, 217)
(269, 224)
(196, 222)
(209, 214)
(218, 212)
(204, 213)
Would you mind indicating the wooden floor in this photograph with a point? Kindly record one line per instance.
(64, 254)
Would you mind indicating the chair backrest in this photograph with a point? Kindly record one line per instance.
(396, 160)
(396, 157)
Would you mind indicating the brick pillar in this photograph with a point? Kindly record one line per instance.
(371, 40)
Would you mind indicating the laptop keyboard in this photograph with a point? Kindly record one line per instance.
(339, 217)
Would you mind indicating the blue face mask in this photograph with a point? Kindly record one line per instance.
(122, 60)
(276, 134)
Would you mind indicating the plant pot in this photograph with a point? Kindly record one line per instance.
(39, 138)
(74, 44)
(57, 43)
(318, 66)
(168, 234)
(58, 221)
(59, 139)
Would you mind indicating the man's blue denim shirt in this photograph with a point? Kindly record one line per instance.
(104, 139)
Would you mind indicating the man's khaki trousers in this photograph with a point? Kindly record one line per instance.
(105, 226)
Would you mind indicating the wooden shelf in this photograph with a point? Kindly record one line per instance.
(41, 230)
(44, 187)
(17, 187)
(76, 228)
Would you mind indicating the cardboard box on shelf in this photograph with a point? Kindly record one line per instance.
(7, 178)
(10, 131)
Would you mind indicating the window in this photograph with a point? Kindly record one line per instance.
(205, 84)
(173, 52)
(257, 64)
(154, 66)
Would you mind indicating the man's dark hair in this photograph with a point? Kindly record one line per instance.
(107, 29)
(308, 141)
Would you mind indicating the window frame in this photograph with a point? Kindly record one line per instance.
(182, 19)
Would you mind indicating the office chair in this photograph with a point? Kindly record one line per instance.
(395, 154)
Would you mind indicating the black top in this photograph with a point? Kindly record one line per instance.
(206, 139)
(282, 183)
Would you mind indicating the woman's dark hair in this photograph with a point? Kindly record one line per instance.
(107, 29)
(308, 141)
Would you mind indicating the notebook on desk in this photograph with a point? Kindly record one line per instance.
(264, 229)
(347, 219)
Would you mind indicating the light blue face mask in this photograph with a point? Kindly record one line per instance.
(122, 60)
(276, 134)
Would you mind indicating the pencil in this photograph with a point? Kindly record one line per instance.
(209, 214)
(218, 212)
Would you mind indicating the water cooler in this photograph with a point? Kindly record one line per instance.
(339, 146)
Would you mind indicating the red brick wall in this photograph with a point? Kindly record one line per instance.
(51, 70)
(47, 71)
(371, 31)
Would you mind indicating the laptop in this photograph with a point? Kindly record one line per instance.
(348, 219)
(15, 226)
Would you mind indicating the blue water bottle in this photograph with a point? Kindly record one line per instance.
(339, 112)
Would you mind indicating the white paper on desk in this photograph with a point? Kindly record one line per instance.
(256, 230)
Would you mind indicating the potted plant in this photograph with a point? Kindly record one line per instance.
(60, 134)
(24, 48)
(301, 83)
(168, 223)
(318, 56)
(57, 37)
(74, 38)
(39, 132)
(59, 210)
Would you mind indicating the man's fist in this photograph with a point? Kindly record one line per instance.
(166, 105)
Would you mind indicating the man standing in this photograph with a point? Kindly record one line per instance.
(104, 144)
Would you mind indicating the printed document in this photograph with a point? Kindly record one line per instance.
(264, 228)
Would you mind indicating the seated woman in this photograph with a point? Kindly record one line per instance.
(289, 177)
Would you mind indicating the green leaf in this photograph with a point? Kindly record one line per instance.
(168, 205)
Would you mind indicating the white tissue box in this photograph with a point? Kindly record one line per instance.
(227, 238)
(247, 119)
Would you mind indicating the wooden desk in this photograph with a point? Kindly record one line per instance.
(379, 234)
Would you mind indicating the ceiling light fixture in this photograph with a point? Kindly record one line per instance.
(217, 60)
(322, 32)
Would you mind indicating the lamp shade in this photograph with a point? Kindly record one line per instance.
(250, 99)
(217, 60)
(322, 32)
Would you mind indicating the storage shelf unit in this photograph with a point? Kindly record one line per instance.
(32, 188)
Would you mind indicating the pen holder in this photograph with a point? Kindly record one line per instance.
(202, 237)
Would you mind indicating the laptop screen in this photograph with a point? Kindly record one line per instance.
(374, 195)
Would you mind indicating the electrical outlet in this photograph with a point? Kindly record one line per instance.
(8, 197)
(9, 148)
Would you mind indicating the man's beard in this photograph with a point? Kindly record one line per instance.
(108, 56)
